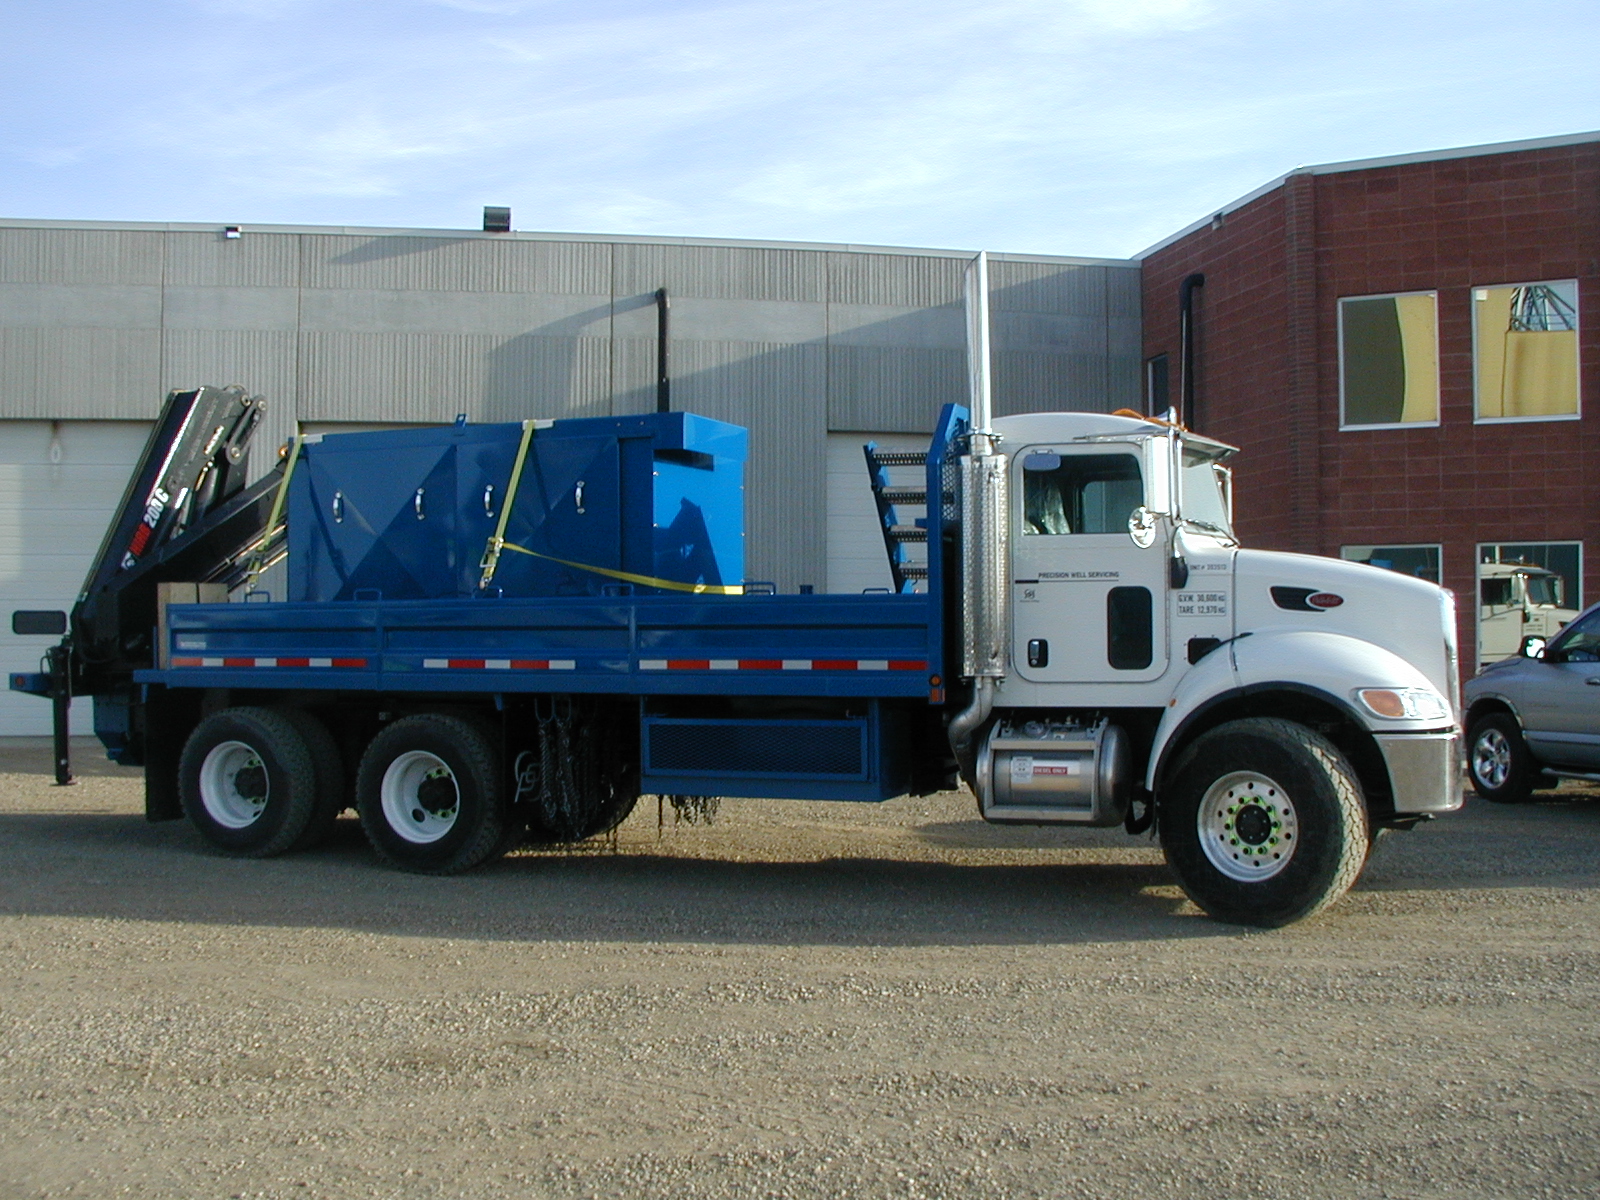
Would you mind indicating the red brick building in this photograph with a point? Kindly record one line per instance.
(1407, 352)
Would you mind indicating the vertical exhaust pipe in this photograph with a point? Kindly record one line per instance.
(985, 544)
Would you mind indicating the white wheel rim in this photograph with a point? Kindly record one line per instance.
(421, 798)
(233, 785)
(1491, 759)
(1247, 826)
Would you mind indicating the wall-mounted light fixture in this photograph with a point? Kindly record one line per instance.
(231, 232)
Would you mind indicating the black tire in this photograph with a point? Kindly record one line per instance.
(248, 781)
(1498, 760)
(1284, 830)
(328, 764)
(617, 809)
(430, 796)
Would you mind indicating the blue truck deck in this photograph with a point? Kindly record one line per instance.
(871, 646)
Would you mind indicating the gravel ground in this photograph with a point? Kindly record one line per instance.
(798, 1000)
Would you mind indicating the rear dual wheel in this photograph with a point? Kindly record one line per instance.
(257, 782)
(430, 796)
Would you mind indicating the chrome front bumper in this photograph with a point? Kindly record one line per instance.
(1424, 770)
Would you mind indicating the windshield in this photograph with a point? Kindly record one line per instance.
(1203, 497)
(1544, 589)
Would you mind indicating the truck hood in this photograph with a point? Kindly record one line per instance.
(1412, 618)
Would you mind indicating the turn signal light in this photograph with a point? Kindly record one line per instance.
(1404, 704)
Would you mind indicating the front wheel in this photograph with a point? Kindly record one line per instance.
(1502, 769)
(1263, 822)
(430, 798)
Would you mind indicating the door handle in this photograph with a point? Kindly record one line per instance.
(1593, 682)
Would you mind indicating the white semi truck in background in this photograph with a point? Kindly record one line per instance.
(1517, 601)
(505, 632)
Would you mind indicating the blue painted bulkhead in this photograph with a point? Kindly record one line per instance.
(408, 514)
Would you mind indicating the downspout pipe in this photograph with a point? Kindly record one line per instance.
(1186, 290)
(663, 373)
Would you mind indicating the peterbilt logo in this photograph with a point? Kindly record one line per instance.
(1299, 599)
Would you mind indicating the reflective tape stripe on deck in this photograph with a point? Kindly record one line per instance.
(782, 664)
(499, 664)
(269, 662)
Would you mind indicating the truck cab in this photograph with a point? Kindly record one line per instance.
(1517, 601)
(1159, 671)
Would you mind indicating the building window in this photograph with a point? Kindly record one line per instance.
(1389, 361)
(1156, 388)
(1527, 589)
(1421, 561)
(1525, 351)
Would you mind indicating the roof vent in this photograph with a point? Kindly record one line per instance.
(496, 220)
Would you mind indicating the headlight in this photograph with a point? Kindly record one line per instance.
(1404, 704)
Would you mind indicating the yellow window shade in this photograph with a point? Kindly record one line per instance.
(1419, 339)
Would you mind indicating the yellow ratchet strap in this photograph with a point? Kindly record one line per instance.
(709, 589)
(277, 511)
(491, 552)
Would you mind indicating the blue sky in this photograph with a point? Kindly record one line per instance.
(1088, 127)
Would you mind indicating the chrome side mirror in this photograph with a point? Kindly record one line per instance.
(1532, 647)
(1142, 527)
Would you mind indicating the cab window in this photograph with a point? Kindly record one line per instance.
(1084, 493)
(1495, 591)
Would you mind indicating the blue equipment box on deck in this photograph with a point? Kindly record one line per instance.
(649, 503)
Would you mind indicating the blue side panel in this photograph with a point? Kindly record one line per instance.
(851, 758)
(354, 523)
(863, 646)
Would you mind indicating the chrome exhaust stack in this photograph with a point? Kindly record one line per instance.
(985, 535)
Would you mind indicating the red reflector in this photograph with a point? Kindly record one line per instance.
(349, 662)
(1324, 600)
(688, 664)
(833, 664)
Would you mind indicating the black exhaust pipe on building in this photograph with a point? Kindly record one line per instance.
(663, 370)
(1186, 291)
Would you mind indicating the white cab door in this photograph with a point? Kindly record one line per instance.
(1089, 605)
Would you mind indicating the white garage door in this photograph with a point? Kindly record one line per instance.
(59, 484)
(857, 559)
